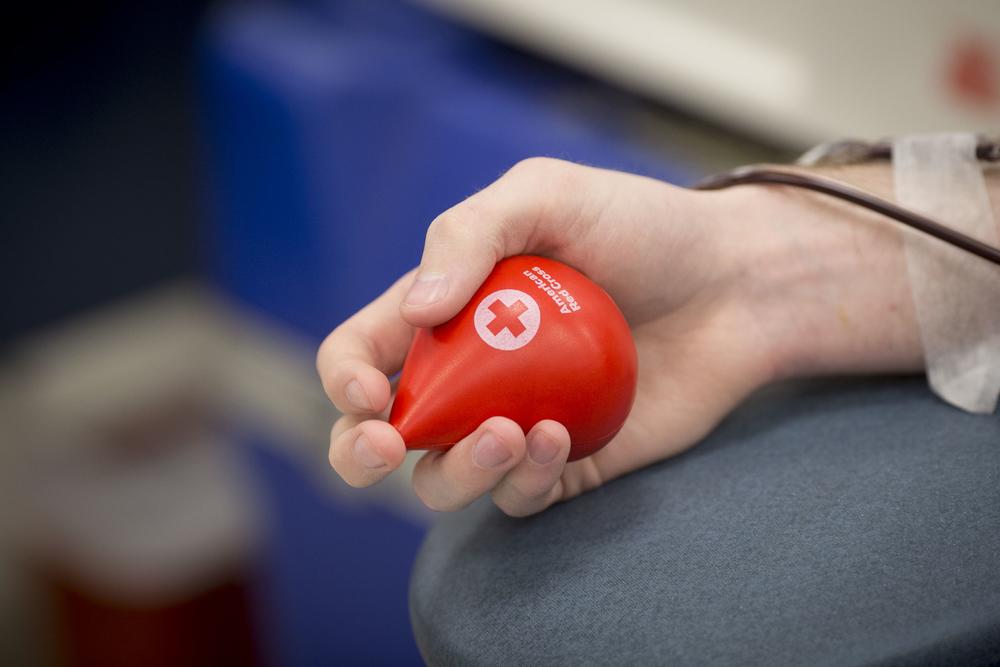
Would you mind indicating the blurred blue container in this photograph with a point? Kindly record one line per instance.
(336, 132)
(332, 587)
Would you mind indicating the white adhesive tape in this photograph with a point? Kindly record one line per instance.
(957, 295)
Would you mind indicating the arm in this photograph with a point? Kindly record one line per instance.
(859, 316)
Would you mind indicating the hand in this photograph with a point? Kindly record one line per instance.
(719, 289)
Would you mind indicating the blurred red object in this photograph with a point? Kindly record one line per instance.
(212, 627)
(974, 73)
(143, 530)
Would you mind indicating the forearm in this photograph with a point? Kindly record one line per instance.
(822, 283)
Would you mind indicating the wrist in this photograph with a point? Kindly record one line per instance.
(821, 284)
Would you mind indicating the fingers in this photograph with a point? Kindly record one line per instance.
(535, 483)
(364, 452)
(354, 360)
(450, 480)
(522, 474)
(523, 211)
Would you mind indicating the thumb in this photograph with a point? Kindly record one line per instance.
(519, 213)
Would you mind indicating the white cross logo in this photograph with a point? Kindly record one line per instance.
(507, 319)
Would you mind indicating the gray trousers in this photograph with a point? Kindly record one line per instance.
(838, 522)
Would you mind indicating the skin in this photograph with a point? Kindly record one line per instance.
(725, 292)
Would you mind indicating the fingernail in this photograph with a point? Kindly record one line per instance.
(356, 395)
(541, 448)
(366, 454)
(427, 289)
(489, 452)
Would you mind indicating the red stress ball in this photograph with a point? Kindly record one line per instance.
(538, 341)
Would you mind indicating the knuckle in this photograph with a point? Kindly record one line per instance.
(449, 226)
(586, 477)
(325, 355)
(512, 512)
(435, 502)
(556, 181)
(335, 436)
(516, 501)
(336, 453)
(531, 492)
(511, 508)
(465, 226)
(328, 361)
(340, 427)
(537, 166)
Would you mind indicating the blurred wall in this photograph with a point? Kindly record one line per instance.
(97, 155)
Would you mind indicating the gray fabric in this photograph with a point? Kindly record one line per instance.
(847, 522)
